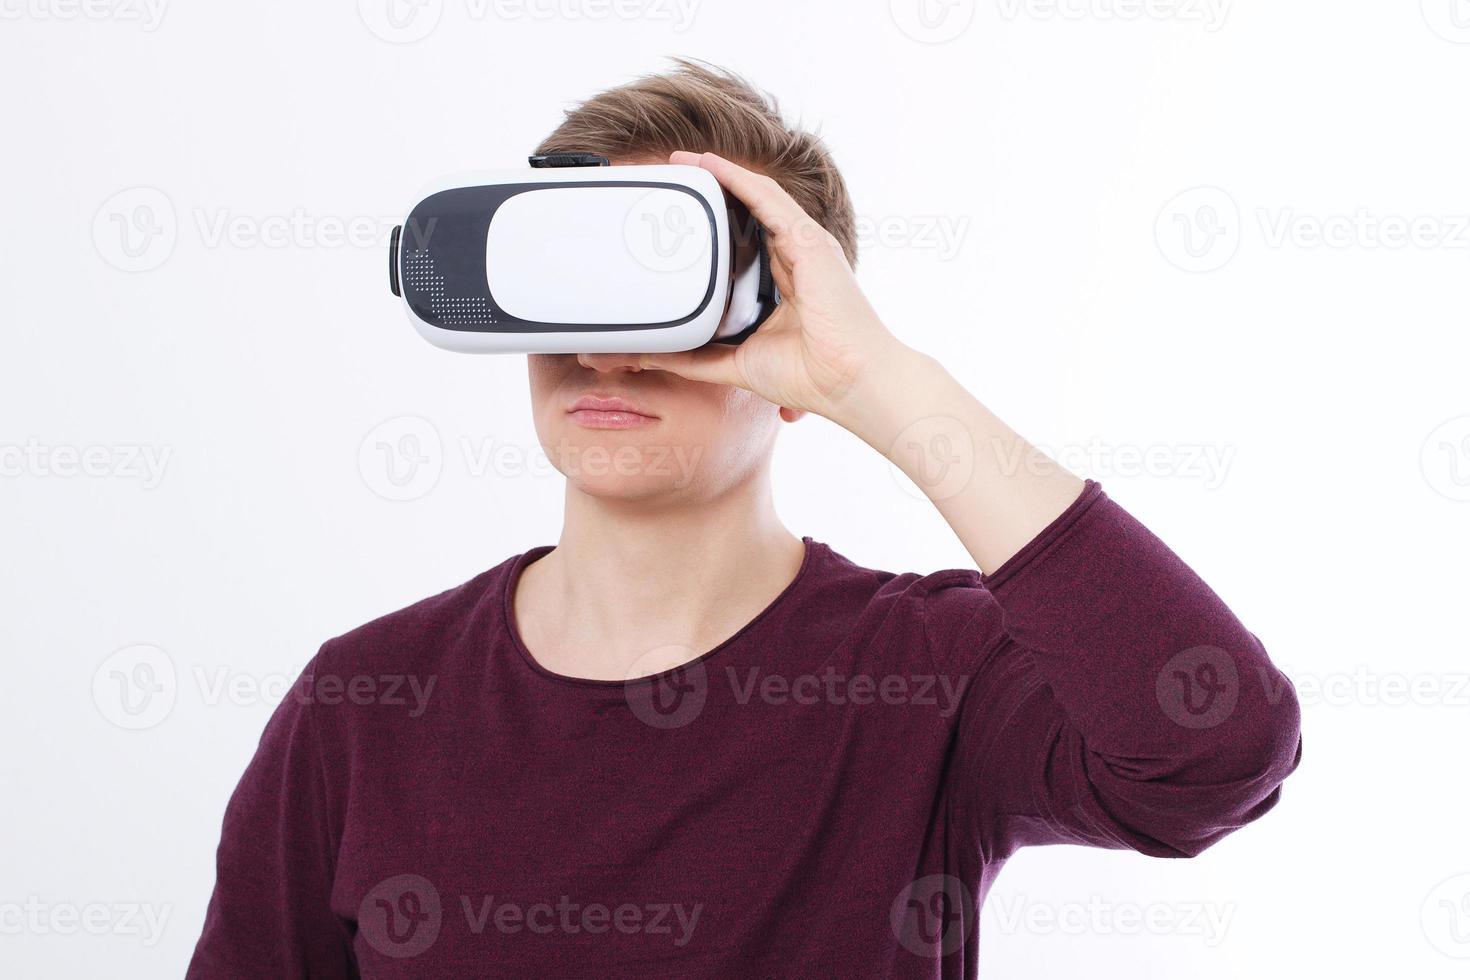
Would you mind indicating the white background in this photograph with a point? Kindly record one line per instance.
(1027, 177)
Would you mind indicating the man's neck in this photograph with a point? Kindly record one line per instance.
(629, 592)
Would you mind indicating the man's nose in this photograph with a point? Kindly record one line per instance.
(610, 363)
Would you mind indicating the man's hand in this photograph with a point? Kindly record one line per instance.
(822, 342)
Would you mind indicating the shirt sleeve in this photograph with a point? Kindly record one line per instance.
(270, 914)
(1123, 705)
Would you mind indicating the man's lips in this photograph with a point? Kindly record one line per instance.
(609, 412)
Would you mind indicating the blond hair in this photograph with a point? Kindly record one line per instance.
(700, 107)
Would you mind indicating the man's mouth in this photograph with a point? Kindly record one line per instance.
(609, 412)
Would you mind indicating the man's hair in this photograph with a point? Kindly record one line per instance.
(700, 107)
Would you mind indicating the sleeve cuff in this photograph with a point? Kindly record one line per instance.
(1049, 536)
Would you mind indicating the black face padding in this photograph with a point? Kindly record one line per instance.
(748, 239)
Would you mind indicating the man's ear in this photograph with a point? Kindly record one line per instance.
(792, 414)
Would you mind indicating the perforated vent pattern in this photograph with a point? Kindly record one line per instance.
(419, 274)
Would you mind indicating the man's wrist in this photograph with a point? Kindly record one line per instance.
(891, 396)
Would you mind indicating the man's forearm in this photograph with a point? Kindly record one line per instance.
(996, 490)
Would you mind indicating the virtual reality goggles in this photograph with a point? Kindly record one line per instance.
(574, 256)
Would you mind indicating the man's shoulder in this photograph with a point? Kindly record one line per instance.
(880, 585)
(881, 603)
(893, 611)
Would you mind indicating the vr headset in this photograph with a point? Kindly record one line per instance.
(574, 256)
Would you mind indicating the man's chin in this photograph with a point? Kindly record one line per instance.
(648, 491)
(625, 465)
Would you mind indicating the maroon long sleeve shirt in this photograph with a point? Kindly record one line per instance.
(830, 792)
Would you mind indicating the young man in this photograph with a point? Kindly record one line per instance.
(685, 742)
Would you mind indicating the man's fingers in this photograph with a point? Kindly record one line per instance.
(788, 227)
(789, 230)
(712, 363)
